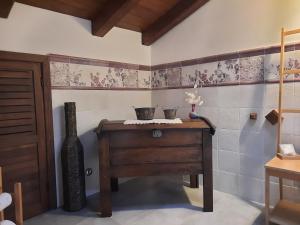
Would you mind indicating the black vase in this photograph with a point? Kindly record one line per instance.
(72, 159)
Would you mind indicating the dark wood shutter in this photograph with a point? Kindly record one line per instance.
(22, 133)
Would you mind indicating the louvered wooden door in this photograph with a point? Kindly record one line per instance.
(22, 133)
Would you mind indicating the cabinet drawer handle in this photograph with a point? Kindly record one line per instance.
(156, 133)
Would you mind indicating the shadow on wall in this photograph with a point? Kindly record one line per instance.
(91, 160)
(59, 134)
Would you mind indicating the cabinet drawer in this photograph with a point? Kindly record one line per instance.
(146, 138)
(131, 156)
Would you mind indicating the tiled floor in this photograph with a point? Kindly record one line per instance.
(160, 200)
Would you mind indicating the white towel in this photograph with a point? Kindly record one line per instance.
(287, 149)
(7, 222)
(157, 121)
(5, 200)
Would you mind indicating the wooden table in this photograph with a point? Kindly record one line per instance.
(154, 149)
(285, 212)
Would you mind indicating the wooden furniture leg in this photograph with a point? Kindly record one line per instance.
(114, 184)
(18, 203)
(280, 188)
(267, 197)
(194, 181)
(207, 172)
(1, 190)
(105, 185)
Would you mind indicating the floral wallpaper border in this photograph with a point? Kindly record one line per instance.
(238, 68)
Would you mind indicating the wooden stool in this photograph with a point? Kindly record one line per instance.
(285, 212)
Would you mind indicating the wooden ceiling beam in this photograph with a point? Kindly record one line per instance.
(5, 7)
(174, 16)
(110, 14)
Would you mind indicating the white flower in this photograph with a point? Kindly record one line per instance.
(193, 98)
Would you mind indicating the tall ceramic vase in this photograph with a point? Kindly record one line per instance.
(72, 159)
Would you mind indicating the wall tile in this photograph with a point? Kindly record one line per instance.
(289, 124)
(130, 79)
(229, 118)
(144, 79)
(251, 189)
(207, 74)
(272, 66)
(209, 95)
(174, 77)
(252, 96)
(252, 144)
(59, 74)
(228, 71)
(271, 95)
(229, 161)
(229, 96)
(159, 78)
(79, 75)
(227, 182)
(296, 64)
(252, 166)
(252, 69)
(229, 140)
(297, 90)
(189, 75)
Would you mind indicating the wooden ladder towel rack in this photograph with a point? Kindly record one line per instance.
(285, 212)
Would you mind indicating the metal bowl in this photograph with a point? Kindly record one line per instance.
(170, 113)
(145, 113)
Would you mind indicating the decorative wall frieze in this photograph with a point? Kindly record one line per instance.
(246, 67)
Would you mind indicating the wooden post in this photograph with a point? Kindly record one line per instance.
(18, 203)
(280, 188)
(281, 76)
(207, 171)
(104, 170)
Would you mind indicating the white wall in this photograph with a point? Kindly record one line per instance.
(222, 26)
(34, 30)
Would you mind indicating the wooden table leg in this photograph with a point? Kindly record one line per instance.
(105, 185)
(207, 172)
(114, 184)
(280, 188)
(194, 181)
(267, 197)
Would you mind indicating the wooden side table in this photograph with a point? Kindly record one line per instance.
(285, 212)
(154, 149)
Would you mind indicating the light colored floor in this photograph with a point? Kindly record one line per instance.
(159, 200)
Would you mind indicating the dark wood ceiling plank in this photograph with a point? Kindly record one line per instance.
(174, 16)
(86, 9)
(5, 7)
(110, 14)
